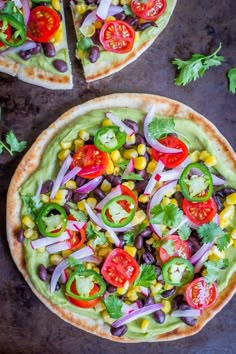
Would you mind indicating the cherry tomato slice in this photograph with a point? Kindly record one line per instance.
(7, 32)
(117, 37)
(199, 212)
(171, 160)
(180, 249)
(43, 24)
(119, 267)
(201, 295)
(92, 161)
(83, 303)
(149, 9)
(126, 191)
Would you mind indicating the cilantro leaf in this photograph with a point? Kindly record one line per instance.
(147, 275)
(123, 164)
(132, 176)
(222, 242)
(196, 66)
(113, 305)
(160, 128)
(97, 237)
(232, 80)
(129, 238)
(128, 11)
(184, 232)
(141, 227)
(75, 263)
(169, 247)
(89, 230)
(213, 269)
(32, 204)
(209, 232)
(168, 215)
(78, 215)
(14, 143)
(197, 184)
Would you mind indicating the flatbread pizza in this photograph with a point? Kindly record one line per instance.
(121, 218)
(33, 43)
(112, 34)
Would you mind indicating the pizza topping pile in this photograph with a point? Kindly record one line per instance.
(133, 224)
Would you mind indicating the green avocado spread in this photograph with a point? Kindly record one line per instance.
(193, 136)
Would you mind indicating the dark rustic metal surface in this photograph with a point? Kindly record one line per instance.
(26, 325)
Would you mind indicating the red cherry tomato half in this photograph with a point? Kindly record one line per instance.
(119, 267)
(201, 295)
(7, 32)
(117, 37)
(171, 160)
(199, 212)
(83, 303)
(77, 238)
(92, 161)
(149, 9)
(180, 249)
(126, 191)
(43, 24)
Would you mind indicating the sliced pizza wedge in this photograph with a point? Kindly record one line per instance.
(33, 43)
(112, 34)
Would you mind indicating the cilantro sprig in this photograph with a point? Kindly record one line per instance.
(232, 80)
(160, 128)
(132, 176)
(113, 305)
(32, 204)
(168, 215)
(213, 269)
(12, 144)
(97, 237)
(147, 275)
(196, 66)
(211, 232)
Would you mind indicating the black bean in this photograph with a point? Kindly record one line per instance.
(94, 54)
(178, 300)
(225, 192)
(142, 173)
(218, 202)
(139, 242)
(149, 301)
(25, 54)
(168, 293)
(140, 186)
(111, 289)
(147, 156)
(42, 3)
(131, 124)
(114, 180)
(49, 50)
(90, 2)
(42, 272)
(36, 49)
(159, 316)
(95, 38)
(140, 303)
(50, 269)
(132, 21)
(184, 306)
(142, 206)
(80, 181)
(67, 208)
(146, 232)
(190, 321)
(89, 141)
(179, 197)
(128, 145)
(69, 195)
(77, 197)
(140, 139)
(60, 65)
(194, 244)
(143, 26)
(47, 186)
(148, 258)
(158, 270)
(120, 16)
(99, 194)
(148, 247)
(20, 236)
(120, 331)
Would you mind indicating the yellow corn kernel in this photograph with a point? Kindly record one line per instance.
(177, 188)
(174, 201)
(166, 306)
(107, 318)
(115, 155)
(141, 149)
(92, 202)
(71, 185)
(58, 201)
(55, 259)
(66, 253)
(110, 18)
(98, 24)
(89, 266)
(234, 243)
(143, 198)
(204, 155)
(27, 221)
(66, 144)
(116, 171)
(165, 201)
(215, 254)
(204, 273)
(63, 154)
(78, 143)
(194, 156)
(80, 205)
(96, 269)
(58, 36)
(109, 238)
(130, 154)
(131, 250)
(140, 163)
(125, 2)
(105, 186)
(139, 217)
(107, 123)
(231, 199)
(28, 233)
(156, 288)
(61, 194)
(123, 290)
(56, 4)
(151, 166)
(137, 36)
(110, 167)
(45, 198)
(210, 161)
(100, 307)
(40, 250)
(115, 2)
(80, 8)
(170, 192)
(150, 241)
(84, 135)
(163, 228)
(144, 325)
(34, 236)
(104, 252)
(226, 215)
(130, 139)
(132, 295)
(233, 234)
(129, 184)
(167, 286)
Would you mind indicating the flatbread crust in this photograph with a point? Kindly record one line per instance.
(116, 62)
(164, 106)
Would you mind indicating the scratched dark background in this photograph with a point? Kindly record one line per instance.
(26, 325)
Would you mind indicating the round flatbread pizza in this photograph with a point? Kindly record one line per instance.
(121, 218)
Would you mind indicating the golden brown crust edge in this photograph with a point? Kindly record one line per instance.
(30, 161)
